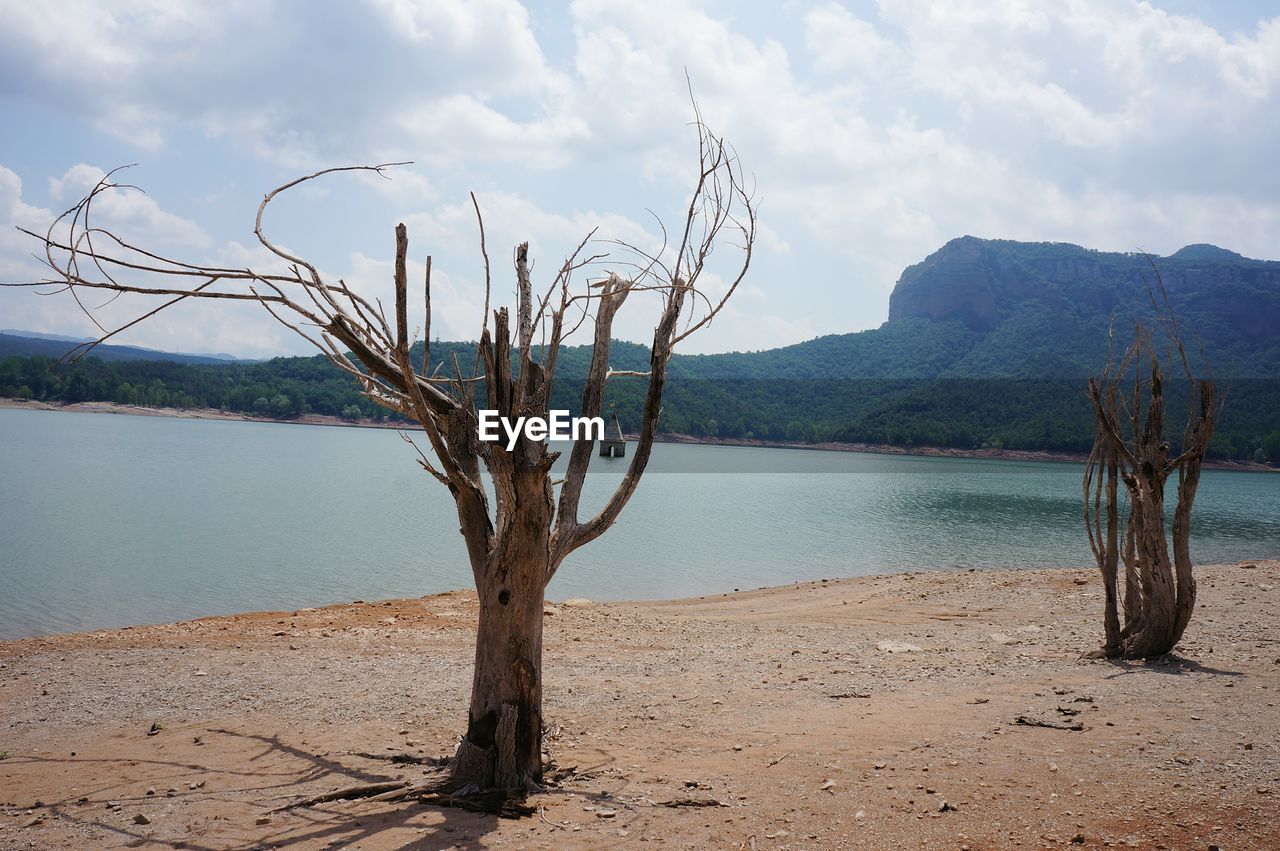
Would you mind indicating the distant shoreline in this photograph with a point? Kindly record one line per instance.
(828, 446)
(935, 451)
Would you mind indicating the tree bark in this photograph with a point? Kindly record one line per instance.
(1111, 559)
(502, 748)
(1132, 589)
(1190, 480)
(1151, 634)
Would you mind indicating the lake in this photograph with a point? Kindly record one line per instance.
(111, 520)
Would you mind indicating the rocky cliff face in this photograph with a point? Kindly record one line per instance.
(954, 282)
(986, 283)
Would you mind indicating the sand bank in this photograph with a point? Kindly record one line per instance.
(827, 715)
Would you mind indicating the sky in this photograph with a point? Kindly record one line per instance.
(874, 132)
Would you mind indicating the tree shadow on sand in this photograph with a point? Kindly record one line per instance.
(260, 807)
(1169, 663)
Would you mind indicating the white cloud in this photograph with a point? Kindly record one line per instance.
(12, 208)
(16, 262)
(478, 131)
(510, 219)
(126, 211)
(839, 41)
(297, 87)
(22, 308)
(874, 136)
(196, 326)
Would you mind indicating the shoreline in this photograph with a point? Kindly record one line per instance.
(342, 605)
(1079, 575)
(665, 437)
(929, 709)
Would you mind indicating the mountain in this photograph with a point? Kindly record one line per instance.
(40, 335)
(979, 308)
(988, 344)
(29, 343)
(1045, 308)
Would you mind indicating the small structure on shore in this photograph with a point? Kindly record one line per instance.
(616, 446)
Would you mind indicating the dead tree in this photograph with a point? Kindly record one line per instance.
(1130, 447)
(516, 542)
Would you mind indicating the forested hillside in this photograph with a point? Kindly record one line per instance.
(988, 344)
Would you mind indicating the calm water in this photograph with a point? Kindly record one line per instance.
(114, 520)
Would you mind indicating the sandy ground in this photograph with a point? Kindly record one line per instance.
(826, 715)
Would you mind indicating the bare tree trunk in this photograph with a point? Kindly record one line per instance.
(1198, 431)
(1110, 563)
(1160, 589)
(1182, 552)
(502, 748)
(503, 744)
(1151, 634)
(1132, 588)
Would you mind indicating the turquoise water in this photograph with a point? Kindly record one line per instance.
(115, 520)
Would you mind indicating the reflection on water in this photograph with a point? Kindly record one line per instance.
(112, 520)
